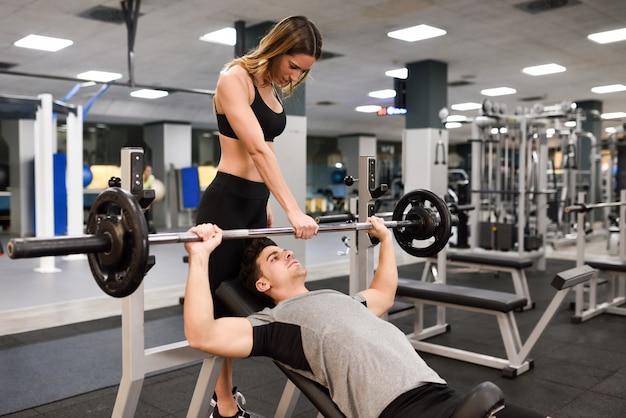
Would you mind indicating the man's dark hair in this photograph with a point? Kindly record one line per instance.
(250, 271)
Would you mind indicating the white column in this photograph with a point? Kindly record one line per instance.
(44, 184)
(74, 177)
(290, 150)
(425, 160)
(171, 149)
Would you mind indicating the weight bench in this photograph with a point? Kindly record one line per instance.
(615, 282)
(481, 401)
(499, 304)
(486, 262)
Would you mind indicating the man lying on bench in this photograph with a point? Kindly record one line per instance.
(339, 341)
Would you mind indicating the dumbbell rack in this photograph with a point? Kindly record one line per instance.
(137, 360)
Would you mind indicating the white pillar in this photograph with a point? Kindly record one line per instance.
(290, 150)
(74, 177)
(425, 160)
(44, 184)
(171, 150)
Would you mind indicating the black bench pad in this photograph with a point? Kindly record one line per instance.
(606, 264)
(518, 263)
(460, 295)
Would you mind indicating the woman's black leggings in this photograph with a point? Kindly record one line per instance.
(231, 202)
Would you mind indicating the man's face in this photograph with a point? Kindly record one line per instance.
(279, 267)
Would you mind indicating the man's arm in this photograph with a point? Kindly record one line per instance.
(225, 337)
(382, 291)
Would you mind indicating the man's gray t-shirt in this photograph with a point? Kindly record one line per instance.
(333, 339)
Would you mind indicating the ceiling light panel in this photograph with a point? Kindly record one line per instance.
(402, 73)
(544, 69)
(382, 94)
(43, 43)
(466, 106)
(612, 88)
(498, 91)
(99, 76)
(149, 94)
(368, 109)
(613, 115)
(416, 33)
(226, 36)
(609, 36)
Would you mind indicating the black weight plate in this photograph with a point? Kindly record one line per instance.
(116, 213)
(432, 220)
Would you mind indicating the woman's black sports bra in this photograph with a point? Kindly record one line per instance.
(272, 123)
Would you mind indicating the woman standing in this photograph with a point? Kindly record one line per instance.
(250, 115)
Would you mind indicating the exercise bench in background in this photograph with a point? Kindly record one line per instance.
(479, 262)
(499, 304)
(612, 271)
(611, 275)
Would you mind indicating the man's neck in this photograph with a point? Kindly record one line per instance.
(291, 294)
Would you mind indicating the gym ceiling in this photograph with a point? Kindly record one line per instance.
(487, 44)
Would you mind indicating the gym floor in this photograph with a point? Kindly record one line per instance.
(61, 342)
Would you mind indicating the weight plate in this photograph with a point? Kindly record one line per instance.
(117, 214)
(433, 223)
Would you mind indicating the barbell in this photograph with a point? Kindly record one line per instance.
(586, 207)
(117, 240)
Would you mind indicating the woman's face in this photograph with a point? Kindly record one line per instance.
(292, 67)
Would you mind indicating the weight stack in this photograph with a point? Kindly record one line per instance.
(496, 236)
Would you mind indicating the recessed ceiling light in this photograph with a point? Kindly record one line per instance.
(382, 94)
(149, 94)
(43, 43)
(608, 36)
(544, 69)
(498, 91)
(453, 125)
(570, 124)
(613, 115)
(368, 109)
(456, 118)
(402, 73)
(100, 76)
(466, 106)
(416, 33)
(612, 88)
(226, 36)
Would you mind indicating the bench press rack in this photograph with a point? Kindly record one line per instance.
(137, 361)
(499, 304)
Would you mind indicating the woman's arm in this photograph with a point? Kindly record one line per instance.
(233, 90)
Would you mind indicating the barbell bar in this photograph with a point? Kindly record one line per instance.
(586, 207)
(117, 240)
(85, 244)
